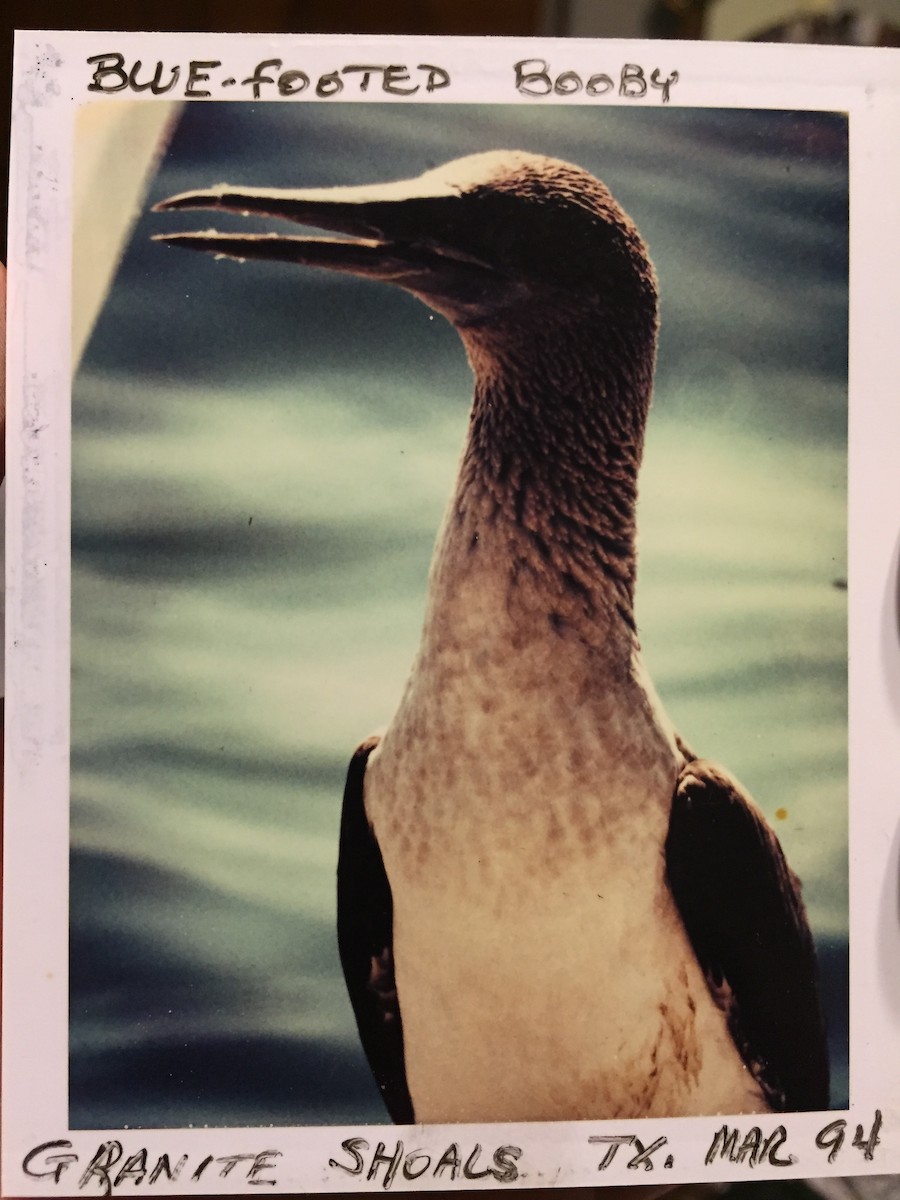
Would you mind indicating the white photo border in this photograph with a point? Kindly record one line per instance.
(51, 80)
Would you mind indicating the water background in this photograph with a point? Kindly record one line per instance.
(261, 455)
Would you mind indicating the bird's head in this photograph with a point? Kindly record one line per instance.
(489, 240)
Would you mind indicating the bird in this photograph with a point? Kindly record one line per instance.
(549, 906)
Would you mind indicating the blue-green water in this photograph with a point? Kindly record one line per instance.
(261, 455)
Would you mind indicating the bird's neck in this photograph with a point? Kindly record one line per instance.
(548, 478)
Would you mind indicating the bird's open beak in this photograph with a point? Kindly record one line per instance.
(384, 228)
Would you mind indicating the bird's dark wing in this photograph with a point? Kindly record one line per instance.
(743, 911)
(365, 940)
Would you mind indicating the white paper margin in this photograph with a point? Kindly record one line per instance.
(50, 81)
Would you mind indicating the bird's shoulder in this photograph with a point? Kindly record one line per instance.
(742, 907)
(365, 940)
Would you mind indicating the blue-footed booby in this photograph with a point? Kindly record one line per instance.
(548, 906)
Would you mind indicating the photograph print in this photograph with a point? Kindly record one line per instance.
(459, 654)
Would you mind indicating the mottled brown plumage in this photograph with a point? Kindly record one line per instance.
(547, 907)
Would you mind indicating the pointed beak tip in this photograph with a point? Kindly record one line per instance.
(205, 199)
(175, 239)
(173, 202)
(170, 239)
(209, 241)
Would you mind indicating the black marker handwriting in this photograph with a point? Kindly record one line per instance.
(110, 1167)
(533, 77)
(200, 79)
(450, 1165)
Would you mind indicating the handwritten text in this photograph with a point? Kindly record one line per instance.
(534, 78)
(452, 1164)
(200, 78)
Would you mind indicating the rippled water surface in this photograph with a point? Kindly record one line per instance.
(261, 454)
